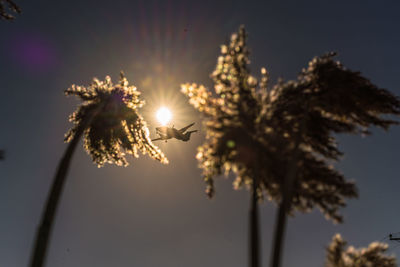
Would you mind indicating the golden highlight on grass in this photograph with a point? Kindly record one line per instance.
(117, 127)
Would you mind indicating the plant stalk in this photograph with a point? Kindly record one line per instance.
(254, 247)
(280, 224)
(284, 206)
(38, 256)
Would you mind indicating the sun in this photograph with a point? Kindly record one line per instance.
(163, 115)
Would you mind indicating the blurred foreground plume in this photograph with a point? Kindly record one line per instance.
(281, 139)
(11, 6)
(249, 123)
(373, 255)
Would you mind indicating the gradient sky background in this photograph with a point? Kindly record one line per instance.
(153, 215)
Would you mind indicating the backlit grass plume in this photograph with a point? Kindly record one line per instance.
(340, 256)
(111, 125)
(280, 139)
(116, 127)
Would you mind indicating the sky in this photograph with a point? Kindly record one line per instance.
(149, 214)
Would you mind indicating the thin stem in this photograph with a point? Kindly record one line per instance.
(254, 225)
(280, 224)
(43, 232)
(284, 206)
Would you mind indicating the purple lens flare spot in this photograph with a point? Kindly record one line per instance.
(33, 52)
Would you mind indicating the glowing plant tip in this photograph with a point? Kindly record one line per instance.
(164, 115)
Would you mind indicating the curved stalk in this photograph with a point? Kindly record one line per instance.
(38, 256)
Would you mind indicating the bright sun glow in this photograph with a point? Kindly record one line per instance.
(164, 115)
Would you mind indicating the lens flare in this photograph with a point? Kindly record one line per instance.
(164, 115)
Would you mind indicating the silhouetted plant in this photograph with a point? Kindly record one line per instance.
(373, 255)
(280, 139)
(112, 126)
(11, 6)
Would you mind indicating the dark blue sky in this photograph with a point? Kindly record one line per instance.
(149, 214)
